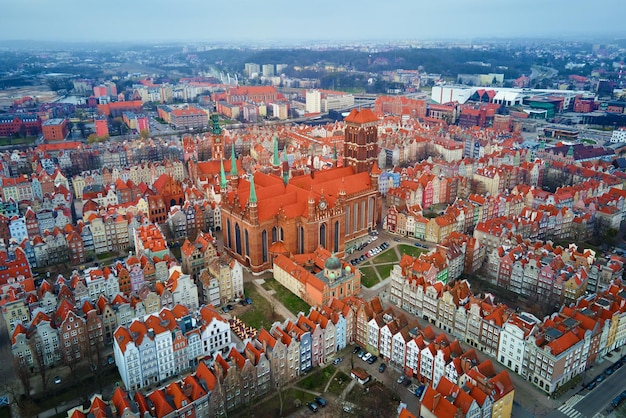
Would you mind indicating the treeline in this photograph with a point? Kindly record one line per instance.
(445, 61)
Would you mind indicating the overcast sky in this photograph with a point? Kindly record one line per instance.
(293, 20)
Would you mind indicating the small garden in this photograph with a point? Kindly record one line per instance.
(316, 380)
(260, 314)
(339, 383)
(368, 276)
(411, 250)
(387, 256)
(291, 301)
(293, 399)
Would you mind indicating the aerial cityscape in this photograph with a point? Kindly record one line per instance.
(237, 210)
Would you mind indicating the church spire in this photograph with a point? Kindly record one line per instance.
(252, 199)
(233, 161)
(223, 181)
(285, 169)
(276, 158)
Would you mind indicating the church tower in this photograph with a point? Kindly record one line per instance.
(361, 140)
(217, 150)
(252, 203)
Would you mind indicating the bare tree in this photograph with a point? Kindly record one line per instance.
(22, 372)
(25, 404)
(39, 358)
(94, 361)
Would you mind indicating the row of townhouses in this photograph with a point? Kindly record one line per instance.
(497, 330)
(233, 373)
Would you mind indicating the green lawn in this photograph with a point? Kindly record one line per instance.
(15, 141)
(339, 383)
(384, 270)
(291, 301)
(368, 276)
(260, 314)
(271, 407)
(316, 381)
(104, 256)
(388, 256)
(411, 250)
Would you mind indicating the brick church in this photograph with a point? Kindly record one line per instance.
(265, 215)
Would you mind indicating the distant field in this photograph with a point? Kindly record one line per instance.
(17, 141)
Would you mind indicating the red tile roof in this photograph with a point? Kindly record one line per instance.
(361, 116)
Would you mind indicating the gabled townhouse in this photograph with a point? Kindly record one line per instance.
(492, 320)
(215, 331)
(317, 339)
(512, 350)
(292, 346)
(305, 344)
(329, 334)
(184, 291)
(259, 360)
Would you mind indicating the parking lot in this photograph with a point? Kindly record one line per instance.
(372, 252)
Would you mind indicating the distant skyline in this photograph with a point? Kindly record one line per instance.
(247, 21)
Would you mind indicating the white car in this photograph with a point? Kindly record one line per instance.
(366, 357)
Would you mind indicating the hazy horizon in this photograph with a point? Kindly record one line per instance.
(324, 21)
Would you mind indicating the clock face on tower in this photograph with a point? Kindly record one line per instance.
(321, 205)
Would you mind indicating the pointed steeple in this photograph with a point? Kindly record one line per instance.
(233, 161)
(285, 169)
(335, 155)
(223, 181)
(276, 158)
(570, 151)
(252, 199)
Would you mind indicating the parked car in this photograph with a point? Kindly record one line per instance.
(372, 360)
(243, 302)
(337, 360)
(396, 239)
(382, 367)
(312, 406)
(320, 401)
(401, 379)
(600, 378)
(419, 390)
(356, 349)
(57, 380)
(366, 357)
(591, 385)
(229, 307)
(361, 353)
